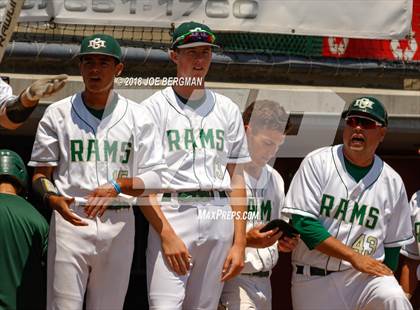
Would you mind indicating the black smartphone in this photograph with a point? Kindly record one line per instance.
(287, 229)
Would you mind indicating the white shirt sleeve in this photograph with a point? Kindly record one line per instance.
(45, 151)
(5, 93)
(303, 197)
(236, 137)
(149, 152)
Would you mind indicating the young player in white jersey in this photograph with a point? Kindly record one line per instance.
(14, 110)
(410, 271)
(266, 125)
(95, 146)
(204, 146)
(352, 212)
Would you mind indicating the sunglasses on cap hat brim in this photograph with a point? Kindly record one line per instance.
(192, 39)
(363, 122)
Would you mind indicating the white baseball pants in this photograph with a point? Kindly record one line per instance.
(94, 259)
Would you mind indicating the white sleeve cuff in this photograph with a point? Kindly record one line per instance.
(291, 211)
(34, 163)
(399, 243)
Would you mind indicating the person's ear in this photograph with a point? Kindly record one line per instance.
(383, 131)
(173, 55)
(119, 68)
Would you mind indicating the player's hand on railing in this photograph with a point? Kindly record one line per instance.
(369, 265)
(257, 239)
(99, 199)
(176, 253)
(234, 262)
(287, 244)
(61, 205)
(45, 87)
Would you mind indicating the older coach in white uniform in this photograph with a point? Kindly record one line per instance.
(352, 212)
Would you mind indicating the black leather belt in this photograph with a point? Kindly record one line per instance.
(195, 194)
(262, 274)
(314, 271)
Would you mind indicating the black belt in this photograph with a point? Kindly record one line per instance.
(195, 194)
(314, 271)
(262, 274)
(120, 207)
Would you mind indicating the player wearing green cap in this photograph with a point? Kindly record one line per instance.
(352, 212)
(93, 152)
(193, 34)
(205, 148)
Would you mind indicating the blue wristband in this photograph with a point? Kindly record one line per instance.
(117, 187)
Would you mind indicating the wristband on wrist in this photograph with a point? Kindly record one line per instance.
(16, 112)
(117, 187)
(43, 188)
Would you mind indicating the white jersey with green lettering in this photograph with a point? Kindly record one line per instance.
(198, 143)
(252, 288)
(412, 250)
(89, 152)
(265, 200)
(366, 216)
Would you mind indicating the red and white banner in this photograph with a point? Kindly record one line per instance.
(394, 50)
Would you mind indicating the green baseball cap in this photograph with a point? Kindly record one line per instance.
(369, 107)
(102, 44)
(192, 34)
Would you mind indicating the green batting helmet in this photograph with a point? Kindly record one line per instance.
(12, 166)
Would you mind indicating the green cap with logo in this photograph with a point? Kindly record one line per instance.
(102, 44)
(369, 107)
(192, 34)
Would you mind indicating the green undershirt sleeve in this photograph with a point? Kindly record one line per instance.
(313, 233)
(392, 256)
(311, 230)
